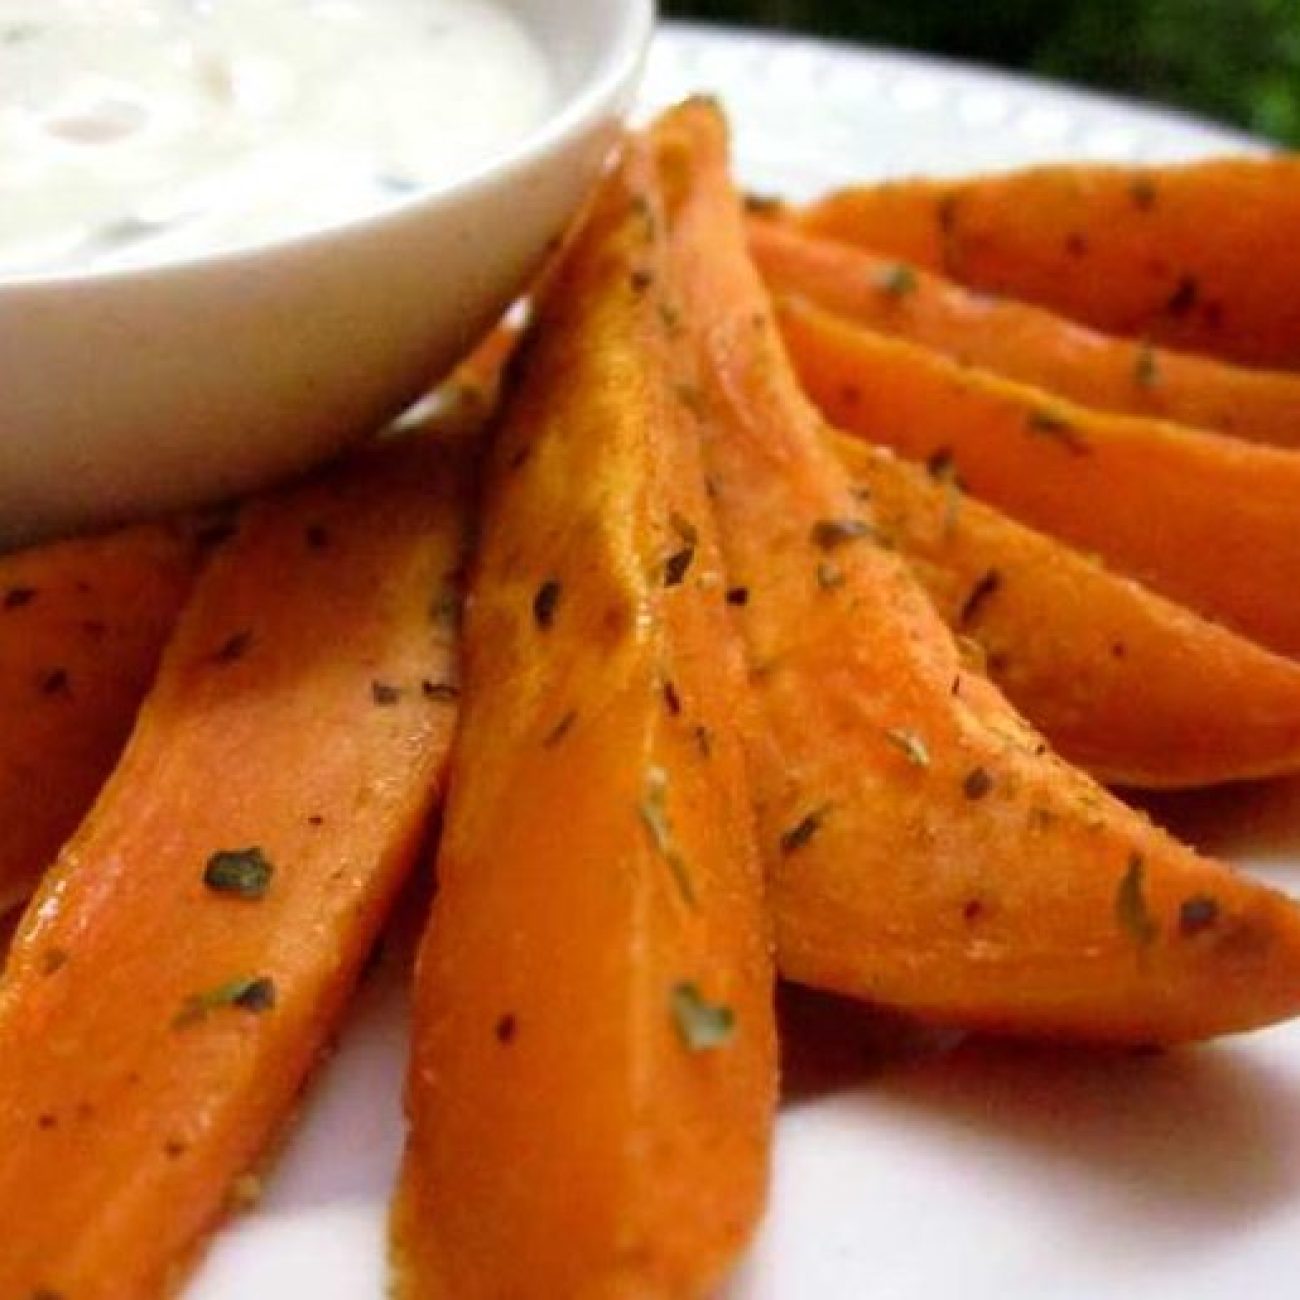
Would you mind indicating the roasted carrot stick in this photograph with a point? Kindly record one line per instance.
(1200, 256)
(1132, 687)
(592, 1085)
(924, 849)
(1026, 343)
(1207, 520)
(188, 956)
(82, 624)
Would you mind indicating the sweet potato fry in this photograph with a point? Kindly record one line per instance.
(1207, 520)
(1137, 690)
(924, 848)
(1200, 256)
(187, 957)
(1026, 343)
(593, 1076)
(82, 624)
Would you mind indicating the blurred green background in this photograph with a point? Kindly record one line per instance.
(1235, 60)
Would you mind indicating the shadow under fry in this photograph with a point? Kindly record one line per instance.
(1256, 822)
(1206, 1138)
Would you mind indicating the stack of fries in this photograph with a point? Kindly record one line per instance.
(704, 683)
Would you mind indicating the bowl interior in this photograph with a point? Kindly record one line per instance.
(139, 390)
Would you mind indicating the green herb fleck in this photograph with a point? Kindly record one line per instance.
(234, 647)
(1048, 424)
(986, 586)
(764, 205)
(677, 565)
(738, 596)
(654, 816)
(244, 872)
(1196, 914)
(1146, 366)
(1142, 190)
(545, 602)
(384, 694)
(254, 995)
(1131, 909)
(561, 729)
(804, 829)
(912, 747)
(643, 211)
(684, 529)
(442, 692)
(703, 1025)
(977, 784)
(672, 700)
(941, 465)
(831, 533)
(896, 281)
(446, 607)
(1041, 818)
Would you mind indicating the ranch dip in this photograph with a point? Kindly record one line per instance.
(134, 131)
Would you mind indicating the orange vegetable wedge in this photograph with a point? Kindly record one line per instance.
(1200, 256)
(925, 850)
(82, 624)
(1026, 343)
(1207, 520)
(593, 1078)
(186, 960)
(1132, 687)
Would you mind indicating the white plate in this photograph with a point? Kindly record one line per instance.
(984, 1172)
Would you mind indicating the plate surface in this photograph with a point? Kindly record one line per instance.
(902, 1170)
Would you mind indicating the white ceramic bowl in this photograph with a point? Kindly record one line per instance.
(132, 391)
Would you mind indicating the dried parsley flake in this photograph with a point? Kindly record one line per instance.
(895, 281)
(654, 816)
(1146, 367)
(545, 602)
(831, 533)
(1131, 909)
(245, 873)
(702, 1025)
(798, 835)
(677, 565)
(254, 994)
(1197, 914)
(913, 748)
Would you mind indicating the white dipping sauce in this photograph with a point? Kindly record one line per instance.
(134, 131)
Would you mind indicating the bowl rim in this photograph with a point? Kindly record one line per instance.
(607, 85)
